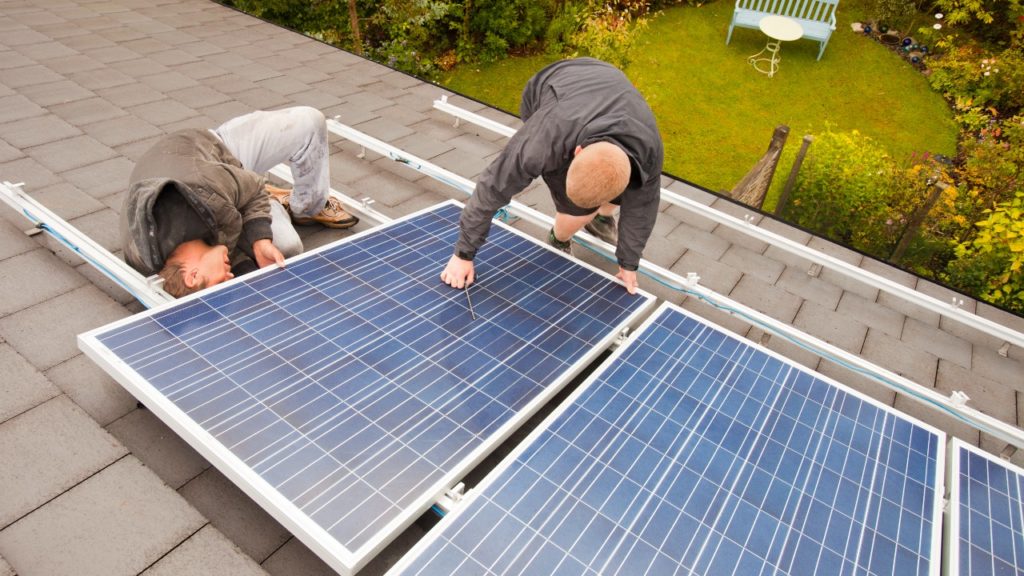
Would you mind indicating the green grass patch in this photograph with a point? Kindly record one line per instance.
(717, 114)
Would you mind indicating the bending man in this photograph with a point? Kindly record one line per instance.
(198, 210)
(589, 133)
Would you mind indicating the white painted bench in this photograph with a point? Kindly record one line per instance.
(817, 17)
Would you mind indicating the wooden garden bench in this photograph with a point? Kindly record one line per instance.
(817, 17)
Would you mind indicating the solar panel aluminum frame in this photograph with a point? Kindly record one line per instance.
(951, 529)
(472, 494)
(314, 536)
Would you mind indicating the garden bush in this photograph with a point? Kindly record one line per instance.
(851, 190)
(498, 26)
(608, 34)
(978, 80)
(992, 263)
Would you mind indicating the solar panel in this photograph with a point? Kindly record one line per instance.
(986, 514)
(347, 391)
(693, 452)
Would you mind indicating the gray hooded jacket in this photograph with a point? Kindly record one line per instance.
(222, 202)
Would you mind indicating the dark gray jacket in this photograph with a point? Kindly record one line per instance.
(567, 104)
(189, 186)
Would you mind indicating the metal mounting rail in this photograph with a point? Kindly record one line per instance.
(950, 310)
(142, 289)
(953, 405)
(465, 185)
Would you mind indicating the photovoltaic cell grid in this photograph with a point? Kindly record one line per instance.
(696, 453)
(354, 380)
(988, 526)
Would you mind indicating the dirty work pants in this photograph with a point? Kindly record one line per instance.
(296, 136)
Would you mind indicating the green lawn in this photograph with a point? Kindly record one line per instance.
(716, 114)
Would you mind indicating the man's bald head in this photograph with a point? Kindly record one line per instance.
(597, 174)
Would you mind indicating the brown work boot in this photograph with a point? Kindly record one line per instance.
(280, 194)
(332, 216)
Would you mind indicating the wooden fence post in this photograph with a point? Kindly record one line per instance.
(916, 219)
(788, 188)
(753, 187)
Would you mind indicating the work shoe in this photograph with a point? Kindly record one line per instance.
(558, 244)
(605, 228)
(280, 194)
(332, 216)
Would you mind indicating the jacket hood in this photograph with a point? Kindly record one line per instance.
(138, 226)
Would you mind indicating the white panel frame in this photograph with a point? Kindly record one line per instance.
(340, 558)
(413, 554)
(951, 535)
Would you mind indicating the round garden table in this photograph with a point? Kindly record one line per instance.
(778, 29)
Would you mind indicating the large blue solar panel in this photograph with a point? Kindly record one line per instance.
(986, 533)
(693, 452)
(353, 386)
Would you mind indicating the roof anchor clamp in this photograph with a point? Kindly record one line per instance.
(451, 497)
(1008, 452)
(959, 398)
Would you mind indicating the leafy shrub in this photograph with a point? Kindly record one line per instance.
(317, 19)
(564, 24)
(849, 189)
(893, 12)
(975, 78)
(409, 34)
(993, 21)
(993, 167)
(609, 34)
(497, 26)
(992, 263)
(399, 54)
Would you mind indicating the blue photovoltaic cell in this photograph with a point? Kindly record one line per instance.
(989, 497)
(353, 380)
(696, 453)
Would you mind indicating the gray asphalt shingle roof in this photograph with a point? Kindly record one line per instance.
(91, 484)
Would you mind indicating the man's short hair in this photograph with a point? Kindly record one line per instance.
(174, 280)
(598, 174)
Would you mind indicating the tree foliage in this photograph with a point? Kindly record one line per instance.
(424, 36)
(995, 21)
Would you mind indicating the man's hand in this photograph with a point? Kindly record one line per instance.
(458, 273)
(628, 278)
(266, 253)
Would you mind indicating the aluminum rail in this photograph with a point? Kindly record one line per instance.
(950, 310)
(142, 289)
(465, 185)
(953, 405)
